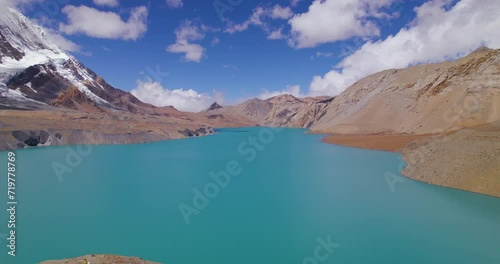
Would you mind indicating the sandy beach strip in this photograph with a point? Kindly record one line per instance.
(374, 142)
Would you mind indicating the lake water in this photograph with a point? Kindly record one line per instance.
(289, 198)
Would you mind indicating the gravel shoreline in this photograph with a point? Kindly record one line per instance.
(467, 159)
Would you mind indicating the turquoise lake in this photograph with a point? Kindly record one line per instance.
(292, 199)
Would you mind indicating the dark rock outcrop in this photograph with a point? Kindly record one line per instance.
(214, 106)
(31, 138)
(198, 132)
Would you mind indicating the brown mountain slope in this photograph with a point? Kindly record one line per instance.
(292, 112)
(279, 111)
(251, 111)
(424, 99)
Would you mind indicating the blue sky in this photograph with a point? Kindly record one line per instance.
(319, 47)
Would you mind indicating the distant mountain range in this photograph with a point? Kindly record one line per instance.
(36, 74)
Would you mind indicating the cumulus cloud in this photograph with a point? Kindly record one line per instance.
(324, 54)
(109, 25)
(276, 34)
(439, 32)
(260, 17)
(256, 18)
(111, 3)
(280, 12)
(291, 89)
(186, 33)
(174, 3)
(335, 20)
(183, 100)
(62, 42)
(192, 52)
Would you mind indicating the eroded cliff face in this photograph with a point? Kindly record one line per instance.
(278, 111)
(429, 98)
(298, 114)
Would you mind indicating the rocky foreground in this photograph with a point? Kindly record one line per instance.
(100, 259)
(468, 159)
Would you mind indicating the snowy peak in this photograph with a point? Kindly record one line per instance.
(24, 43)
(33, 68)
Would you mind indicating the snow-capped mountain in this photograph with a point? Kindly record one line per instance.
(33, 68)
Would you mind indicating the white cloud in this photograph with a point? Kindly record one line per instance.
(324, 54)
(184, 100)
(335, 20)
(186, 33)
(111, 3)
(256, 18)
(174, 3)
(108, 25)
(293, 90)
(276, 34)
(438, 33)
(280, 12)
(260, 18)
(192, 52)
(62, 42)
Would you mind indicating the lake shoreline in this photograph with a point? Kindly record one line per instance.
(423, 153)
(392, 143)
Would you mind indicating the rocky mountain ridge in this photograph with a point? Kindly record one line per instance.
(423, 99)
(278, 111)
